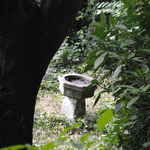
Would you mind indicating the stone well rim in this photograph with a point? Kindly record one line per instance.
(62, 79)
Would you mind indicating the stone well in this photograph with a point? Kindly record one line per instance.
(75, 88)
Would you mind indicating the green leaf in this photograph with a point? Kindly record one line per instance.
(127, 43)
(146, 145)
(126, 2)
(30, 147)
(95, 82)
(97, 99)
(145, 68)
(105, 119)
(121, 27)
(95, 25)
(49, 146)
(111, 20)
(144, 50)
(94, 37)
(128, 124)
(139, 72)
(99, 60)
(146, 88)
(89, 144)
(133, 73)
(99, 52)
(114, 55)
(68, 129)
(138, 59)
(133, 117)
(89, 66)
(103, 77)
(134, 91)
(84, 137)
(126, 86)
(117, 71)
(128, 55)
(13, 147)
(103, 19)
(131, 102)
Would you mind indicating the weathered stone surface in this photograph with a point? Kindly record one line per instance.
(75, 88)
(73, 108)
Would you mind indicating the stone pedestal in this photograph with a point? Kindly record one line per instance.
(75, 88)
(73, 108)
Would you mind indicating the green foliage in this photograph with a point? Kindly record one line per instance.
(104, 119)
(14, 147)
(74, 50)
(44, 122)
(19, 147)
(71, 55)
(123, 50)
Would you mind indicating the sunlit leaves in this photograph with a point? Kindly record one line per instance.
(122, 27)
(145, 68)
(117, 71)
(124, 53)
(85, 137)
(99, 60)
(105, 119)
(49, 146)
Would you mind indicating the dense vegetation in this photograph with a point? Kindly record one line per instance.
(123, 52)
(110, 41)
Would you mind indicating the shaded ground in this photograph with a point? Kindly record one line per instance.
(49, 121)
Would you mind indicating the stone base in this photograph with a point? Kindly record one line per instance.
(73, 108)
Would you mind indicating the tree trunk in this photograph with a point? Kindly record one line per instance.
(30, 34)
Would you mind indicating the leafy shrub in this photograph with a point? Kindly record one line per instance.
(124, 51)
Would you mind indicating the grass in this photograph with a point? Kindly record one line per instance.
(49, 121)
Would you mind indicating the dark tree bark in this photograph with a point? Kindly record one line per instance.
(29, 37)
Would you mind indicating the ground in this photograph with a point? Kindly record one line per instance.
(49, 121)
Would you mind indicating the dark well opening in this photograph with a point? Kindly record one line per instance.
(77, 80)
